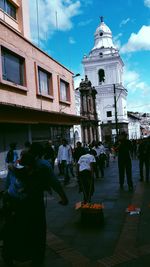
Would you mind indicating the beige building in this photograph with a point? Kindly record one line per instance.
(37, 100)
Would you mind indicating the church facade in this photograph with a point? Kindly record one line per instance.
(104, 68)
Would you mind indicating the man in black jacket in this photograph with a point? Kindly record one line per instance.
(144, 158)
(124, 161)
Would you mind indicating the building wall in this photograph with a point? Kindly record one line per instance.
(113, 68)
(11, 133)
(25, 18)
(20, 133)
(108, 131)
(134, 129)
(105, 103)
(28, 95)
(26, 101)
(21, 23)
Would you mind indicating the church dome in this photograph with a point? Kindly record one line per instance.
(103, 38)
(103, 28)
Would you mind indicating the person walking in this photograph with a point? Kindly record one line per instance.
(64, 158)
(85, 175)
(12, 154)
(11, 159)
(144, 158)
(26, 148)
(97, 150)
(124, 161)
(107, 151)
(24, 235)
(101, 158)
(49, 153)
(78, 152)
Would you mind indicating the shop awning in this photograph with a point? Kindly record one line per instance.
(21, 114)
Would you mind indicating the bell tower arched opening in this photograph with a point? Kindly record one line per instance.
(101, 76)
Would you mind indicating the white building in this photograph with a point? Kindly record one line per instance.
(134, 125)
(104, 68)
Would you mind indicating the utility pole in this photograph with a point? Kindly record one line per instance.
(115, 106)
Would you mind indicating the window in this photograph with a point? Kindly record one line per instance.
(101, 75)
(64, 91)
(101, 34)
(109, 114)
(8, 8)
(12, 67)
(45, 85)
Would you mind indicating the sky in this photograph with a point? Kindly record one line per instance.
(65, 30)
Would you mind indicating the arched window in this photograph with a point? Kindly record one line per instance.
(101, 75)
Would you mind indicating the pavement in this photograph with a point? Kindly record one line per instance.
(123, 240)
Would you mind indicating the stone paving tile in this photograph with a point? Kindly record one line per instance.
(117, 244)
(139, 262)
(72, 256)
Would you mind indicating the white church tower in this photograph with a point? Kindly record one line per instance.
(104, 68)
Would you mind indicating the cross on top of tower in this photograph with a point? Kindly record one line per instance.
(102, 18)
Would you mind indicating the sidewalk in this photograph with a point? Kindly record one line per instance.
(123, 241)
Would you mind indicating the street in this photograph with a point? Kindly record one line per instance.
(123, 240)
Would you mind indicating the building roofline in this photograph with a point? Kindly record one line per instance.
(132, 116)
(28, 41)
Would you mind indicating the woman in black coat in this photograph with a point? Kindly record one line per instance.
(24, 235)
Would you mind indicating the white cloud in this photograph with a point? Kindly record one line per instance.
(52, 16)
(138, 106)
(87, 2)
(147, 3)
(71, 40)
(116, 40)
(134, 83)
(138, 41)
(124, 21)
(138, 91)
(130, 76)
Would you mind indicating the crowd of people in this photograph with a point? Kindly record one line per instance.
(33, 172)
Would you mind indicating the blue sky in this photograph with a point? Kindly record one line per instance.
(65, 30)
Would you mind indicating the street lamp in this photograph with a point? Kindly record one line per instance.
(76, 75)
